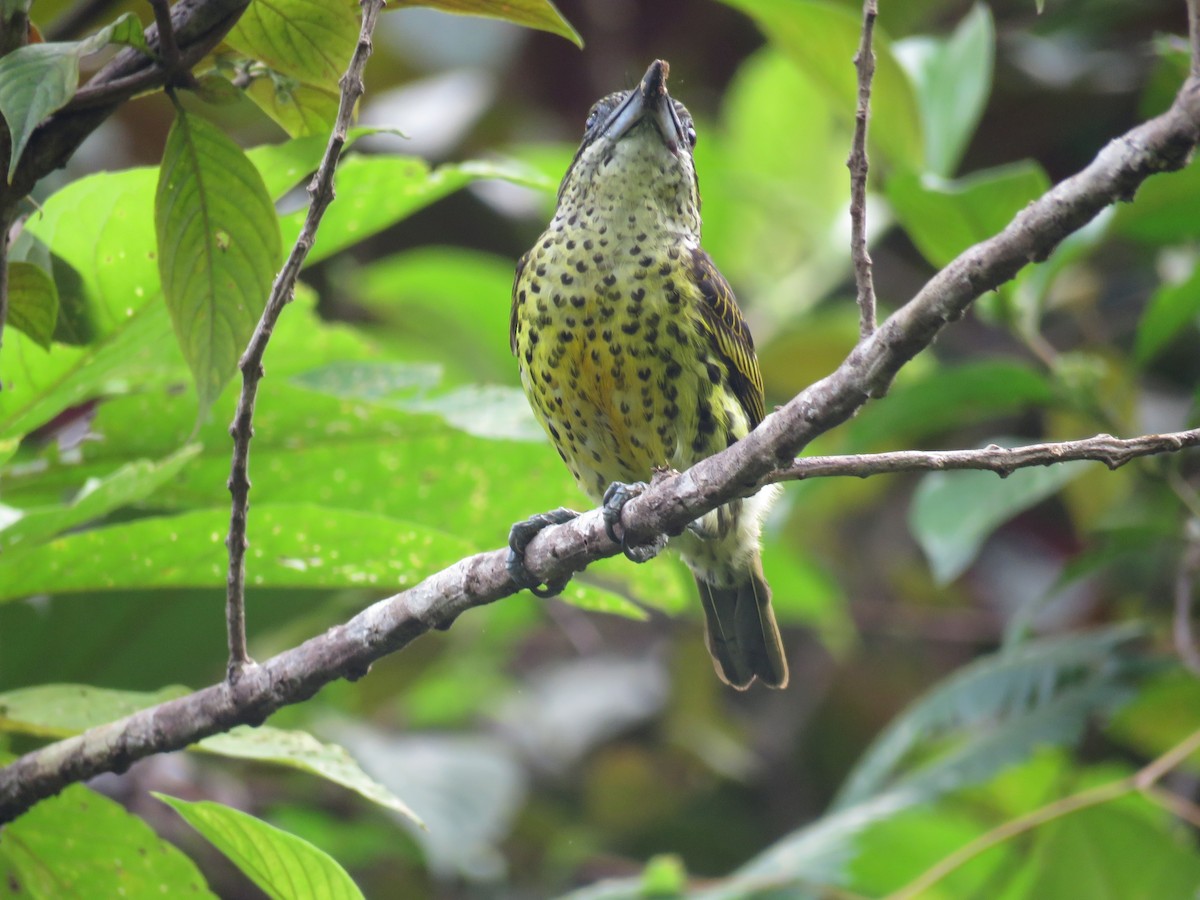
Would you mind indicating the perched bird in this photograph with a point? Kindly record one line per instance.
(636, 358)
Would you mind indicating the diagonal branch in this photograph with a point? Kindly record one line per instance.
(347, 651)
(320, 190)
(1113, 452)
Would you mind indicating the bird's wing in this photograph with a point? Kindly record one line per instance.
(512, 316)
(729, 335)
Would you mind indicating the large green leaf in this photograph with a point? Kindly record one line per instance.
(953, 77)
(281, 864)
(309, 40)
(821, 39)
(944, 218)
(32, 302)
(80, 845)
(283, 165)
(953, 513)
(290, 546)
(539, 14)
(129, 484)
(1164, 210)
(375, 192)
(63, 710)
(218, 248)
(38, 79)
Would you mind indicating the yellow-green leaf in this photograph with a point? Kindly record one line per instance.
(539, 14)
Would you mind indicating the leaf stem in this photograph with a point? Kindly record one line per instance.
(242, 429)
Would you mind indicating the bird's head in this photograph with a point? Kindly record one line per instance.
(635, 161)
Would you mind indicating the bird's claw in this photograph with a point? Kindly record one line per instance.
(519, 537)
(615, 498)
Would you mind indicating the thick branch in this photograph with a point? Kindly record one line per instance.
(1113, 452)
(1161, 144)
(864, 62)
(320, 191)
(199, 25)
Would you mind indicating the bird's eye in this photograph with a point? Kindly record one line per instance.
(691, 135)
(591, 120)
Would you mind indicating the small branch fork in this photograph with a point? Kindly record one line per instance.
(864, 62)
(320, 191)
(1162, 144)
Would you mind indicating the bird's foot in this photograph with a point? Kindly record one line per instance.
(615, 498)
(519, 537)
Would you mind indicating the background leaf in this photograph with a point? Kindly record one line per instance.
(32, 302)
(539, 14)
(310, 40)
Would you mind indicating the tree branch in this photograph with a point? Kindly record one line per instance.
(320, 191)
(864, 62)
(1113, 452)
(346, 651)
(1185, 588)
(199, 25)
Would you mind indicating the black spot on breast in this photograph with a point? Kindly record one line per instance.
(610, 280)
(564, 336)
(581, 266)
(631, 327)
(637, 295)
(566, 278)
(646, 261)
(577, 301)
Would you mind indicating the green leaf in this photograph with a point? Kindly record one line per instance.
(81, 845)
(281, 864)
(284, 165)
(129, 484)
(39, 385)
(944, 218)
(299, 109)
(63, 710)
(822, 38)
(495, 411)
(1171, 308)
(300, 750)
(984, 700)
(375, 192)
(32, 302)
(310, 40)
(290, 546)
(102, 226)
(953, 78)
(539, 14)
(1091, 854)
(218, 248)
(953, 513)
(38, 79)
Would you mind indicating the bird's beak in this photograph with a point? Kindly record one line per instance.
(648, 100)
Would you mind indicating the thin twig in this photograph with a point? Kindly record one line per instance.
(346, 651)
(1185, 594)
(168, 49)
(320, 191)
(864, 62)
(1141, 781)
(1113, 452)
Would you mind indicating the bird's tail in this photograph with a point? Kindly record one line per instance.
(740, 629)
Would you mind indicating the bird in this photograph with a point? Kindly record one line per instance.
(636, 359)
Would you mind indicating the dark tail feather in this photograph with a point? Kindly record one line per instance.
(741, 633)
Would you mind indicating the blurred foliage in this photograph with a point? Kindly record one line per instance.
(965, 649)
